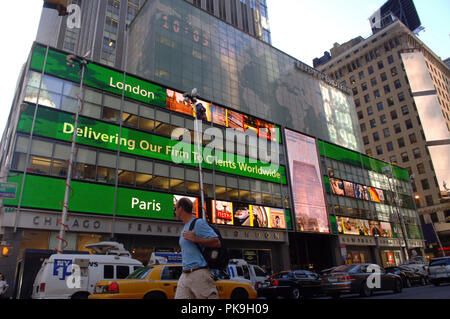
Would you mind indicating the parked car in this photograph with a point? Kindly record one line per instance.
(160, 282)
(354, 279)
(291, 284)
(409, 276)
(439, 270)
(240, 270)
(418, 263)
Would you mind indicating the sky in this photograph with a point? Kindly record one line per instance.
(303, 29)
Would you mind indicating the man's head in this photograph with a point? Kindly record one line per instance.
(183, 208)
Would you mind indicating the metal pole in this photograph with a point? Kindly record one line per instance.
(71, 162)
(200, 159)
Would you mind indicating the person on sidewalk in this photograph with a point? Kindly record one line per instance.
(196, 281)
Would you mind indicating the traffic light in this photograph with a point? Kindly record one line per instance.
(5, 250)
(59, 5)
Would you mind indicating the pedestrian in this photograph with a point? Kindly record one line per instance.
(196, 281)
(3, 287)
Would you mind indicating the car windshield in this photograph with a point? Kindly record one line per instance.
(343, 268)
(140, 273)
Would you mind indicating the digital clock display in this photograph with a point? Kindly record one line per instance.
(174, 25)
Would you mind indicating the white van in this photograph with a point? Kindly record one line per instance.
(240, 270)
(74, 276)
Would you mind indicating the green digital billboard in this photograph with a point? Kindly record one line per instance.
(59, 125)
(92, 198)
(99, 77)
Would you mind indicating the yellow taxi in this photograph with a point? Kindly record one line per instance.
(160, 282)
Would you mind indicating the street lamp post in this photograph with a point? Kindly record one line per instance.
(199, 113)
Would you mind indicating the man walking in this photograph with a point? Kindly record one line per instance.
(196, 280)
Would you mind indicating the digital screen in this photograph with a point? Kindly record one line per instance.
(350, 226)
(218, 115)
(307, 188)
(277, 218)
(386, 229)
(261, 216)
(176, 102)
(241, 215)
(337, 186)
(235, 120)
(359, 191)
(349, 189)
(374, 195)
(364, 227)
(223, 213)
(375, 228)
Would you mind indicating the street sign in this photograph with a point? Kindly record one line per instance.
(8, 190)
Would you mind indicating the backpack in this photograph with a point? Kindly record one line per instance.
(217, 258)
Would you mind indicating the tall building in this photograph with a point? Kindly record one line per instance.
(101, 36)
(402, 99)
(319, 193)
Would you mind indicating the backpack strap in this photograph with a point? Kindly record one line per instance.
(191, 228)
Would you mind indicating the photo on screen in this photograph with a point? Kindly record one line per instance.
(337, 186)
(250, 124)
(267, 130)
(349, 189)
(386, 229)
(277, 218)
(350, 226)
(363, 227)
(373, 195)
(260, 216)
(375, 228)
(339, 225)
(366, 193)
(223, 213)
(380, 194)
(218, 115)
(205, 106)
(235, 120)
(359, 191)
(241, 216)
(194, 200)
(176, 102)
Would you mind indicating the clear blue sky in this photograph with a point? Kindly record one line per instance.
(301, 28)
(311, 27)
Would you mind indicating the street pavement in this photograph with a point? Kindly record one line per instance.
(415, 292)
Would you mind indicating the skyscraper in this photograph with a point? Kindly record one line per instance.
(101, 35)
(402, 97)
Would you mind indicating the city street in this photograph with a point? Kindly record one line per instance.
(416, 292)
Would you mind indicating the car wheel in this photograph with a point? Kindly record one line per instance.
(80, 296)
(155, 295)
(365, 291)
(239, 293)
(408, 283)
(295, 293)
(398, 287)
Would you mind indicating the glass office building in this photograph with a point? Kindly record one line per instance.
(318, 196)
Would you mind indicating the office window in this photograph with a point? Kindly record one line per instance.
(363, 127)
(394, 115)
(401, 142)
(360, 115)
(408, 124)
(369, 110)
(361, 75)
(412, 138)
(383, 119)
(417, 153)
(373, 123)
(393, 159)
(357, 103)
(390, 59)
(386, 132)
(394, 71)
(380, 65)
(379, 150)
(376, 136)
(383, 77)
(430, 202)
(401, 97)
(352, 79)
(425, 184)
(366, 140)
(380, 106)
(364, 86)
(390, 146)
(376, 94)
(405, 157)
(421, 168)
(373, 81)
(405, 109)
(367, 98)
(390, 101)
(397, 128)
(387, 89)
(370, 69)
(397, 84)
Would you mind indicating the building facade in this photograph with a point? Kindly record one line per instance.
(319, 194)
(392, 93)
